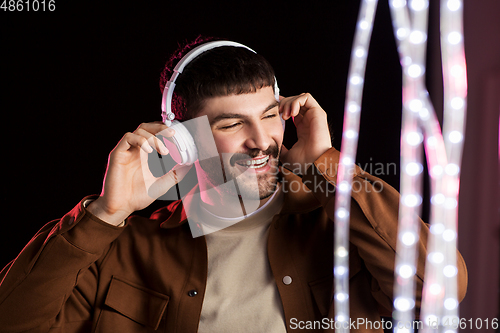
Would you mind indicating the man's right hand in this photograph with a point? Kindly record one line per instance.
(129, 185)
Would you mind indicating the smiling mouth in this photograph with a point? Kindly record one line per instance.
(254, 163)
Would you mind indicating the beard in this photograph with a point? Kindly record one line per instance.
(249, 183)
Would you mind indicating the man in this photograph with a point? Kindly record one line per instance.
(98, 269)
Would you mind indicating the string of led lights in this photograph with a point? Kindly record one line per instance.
(440, 304)
(411, 38)
(348, 149)
(420, 125)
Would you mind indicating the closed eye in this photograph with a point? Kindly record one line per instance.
(229, 126)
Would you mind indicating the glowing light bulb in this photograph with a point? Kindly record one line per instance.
(353, 107)
(437, 228)
(359, 52)
(413, 168)
(456, 71)
(364, 25)
(437, 170)
(356, 79)
(401, 33)
(431, 141)
(347, 160)
(351, 134)
(340, 270)
(449, 235)
(406, 271)
(418, 5)
(342, 252)
(454, 37)
(342, 213)
(402, 304)
(450, 270)
(436, 257)
(415, 70)
(415, 105)
(450, 203)
(412, 200)
(343, 186)
(457, 103)
(450, 303)
(435, 288)
(417, 37)
(406, 61)
(413, 138)
(340, 318)
(408, 238)
(438, 199)
(452, 169)
(341, 297)
(398, 3)
(453, 5)
(424, 114)
(455, 136)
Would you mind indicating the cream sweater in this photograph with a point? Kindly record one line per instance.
(241, 294)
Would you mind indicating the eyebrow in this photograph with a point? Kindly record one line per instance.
(223, 116)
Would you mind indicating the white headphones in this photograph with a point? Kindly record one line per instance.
(181, 146)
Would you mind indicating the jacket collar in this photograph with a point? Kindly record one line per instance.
(297, 199)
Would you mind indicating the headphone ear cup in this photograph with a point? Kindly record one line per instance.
(181, 146)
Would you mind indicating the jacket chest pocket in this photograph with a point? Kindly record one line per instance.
(131, 308)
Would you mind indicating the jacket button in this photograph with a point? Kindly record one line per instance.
(287, 280)
(192, 293)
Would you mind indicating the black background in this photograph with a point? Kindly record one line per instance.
(76, 79)
(73, 81)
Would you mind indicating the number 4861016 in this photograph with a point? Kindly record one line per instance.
(472, 324)
(28, 5)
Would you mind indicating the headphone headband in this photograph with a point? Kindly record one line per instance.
(168, 91)
(203, 48)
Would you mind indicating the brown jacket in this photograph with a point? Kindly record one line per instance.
(80, 274)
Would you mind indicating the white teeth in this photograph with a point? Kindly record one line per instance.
(254, 164)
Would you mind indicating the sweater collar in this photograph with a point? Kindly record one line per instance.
(297, 199)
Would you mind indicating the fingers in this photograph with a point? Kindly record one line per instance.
(295, 105)
(156, 127)
(165, 182)
(132, 140)
(144, 137)
(151, 142)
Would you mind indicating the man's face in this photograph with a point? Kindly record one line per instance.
(248, 135)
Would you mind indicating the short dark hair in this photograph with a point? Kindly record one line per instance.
(221, 71)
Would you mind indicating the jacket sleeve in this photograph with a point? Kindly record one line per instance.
(373, 228)
(38, 286)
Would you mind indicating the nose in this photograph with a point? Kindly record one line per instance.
(258, 138)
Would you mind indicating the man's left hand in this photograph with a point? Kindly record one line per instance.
(312, 131)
